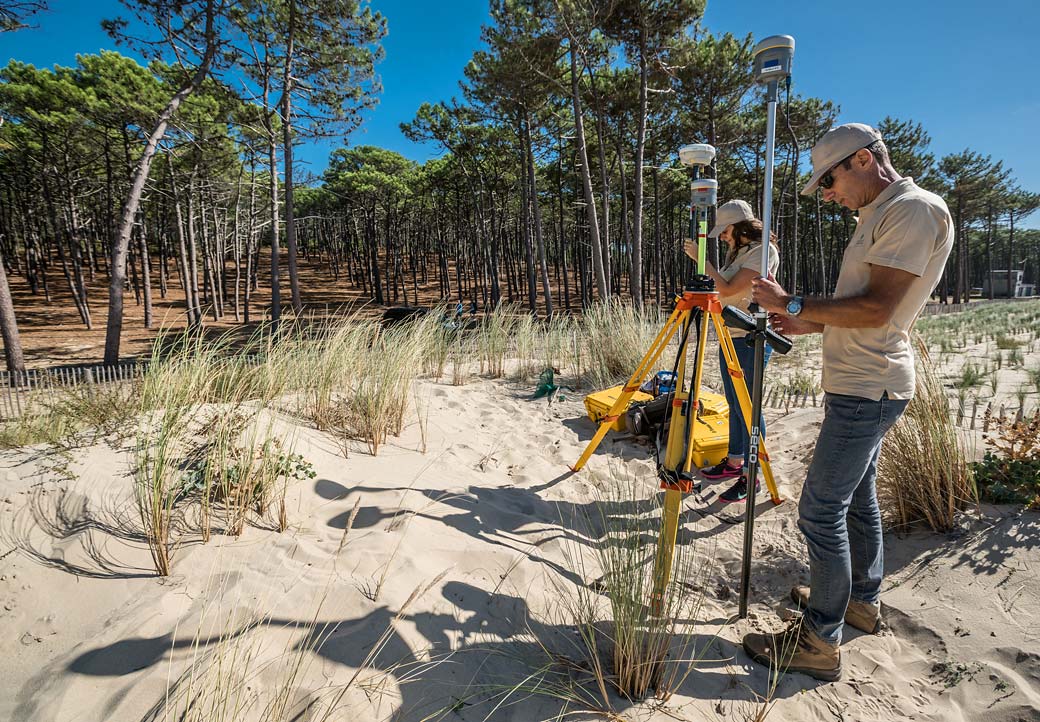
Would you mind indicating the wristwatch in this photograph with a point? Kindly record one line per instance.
(794, 306)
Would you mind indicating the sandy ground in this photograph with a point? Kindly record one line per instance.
(89, 632)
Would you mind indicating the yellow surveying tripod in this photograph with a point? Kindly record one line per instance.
(676, 473)
(691, 306)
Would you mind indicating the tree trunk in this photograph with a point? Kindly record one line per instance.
(9, 328)
(536, 215)
(604, 178)
(251, 244)
(52, 219)
(525, 230)
(657, 232)
(185, 271)
(121, 242)
(193, 250)
(626, 229)
(237, 241)
(1010, 252)
(989, 250)
(586, 180)
(146, 275)
(637, 186)
(287, 159)
(373, 245)
(276, 292)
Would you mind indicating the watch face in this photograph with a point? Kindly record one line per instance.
(794, 306)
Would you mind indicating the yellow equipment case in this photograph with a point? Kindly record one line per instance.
(710, 433)
(598, 403)
(710, 425)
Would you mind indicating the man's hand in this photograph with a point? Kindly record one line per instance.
(690, 248)
(789, 326)
(768, 294)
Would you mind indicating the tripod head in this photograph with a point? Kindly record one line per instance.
(735, 318)
(700, 283)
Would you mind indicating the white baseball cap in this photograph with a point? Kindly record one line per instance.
(729, 213)
(836, 145)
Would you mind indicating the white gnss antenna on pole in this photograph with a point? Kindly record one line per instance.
(703, 197)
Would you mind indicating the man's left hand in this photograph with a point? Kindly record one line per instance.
(768, 294)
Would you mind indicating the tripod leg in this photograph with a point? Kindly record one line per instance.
(665, 549)
(645, 365)
(676, 455)
(744, 397)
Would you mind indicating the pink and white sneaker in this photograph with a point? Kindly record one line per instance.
(722, 470)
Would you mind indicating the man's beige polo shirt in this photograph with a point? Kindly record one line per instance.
(908, 228)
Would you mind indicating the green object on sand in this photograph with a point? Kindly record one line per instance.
(545, 384)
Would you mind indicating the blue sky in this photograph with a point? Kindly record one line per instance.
(966, 70)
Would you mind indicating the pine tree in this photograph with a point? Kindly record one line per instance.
(181, 25)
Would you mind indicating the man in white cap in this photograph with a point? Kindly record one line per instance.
(890, 267)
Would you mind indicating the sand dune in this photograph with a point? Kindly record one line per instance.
(89, 632)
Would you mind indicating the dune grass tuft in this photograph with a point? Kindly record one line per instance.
(617, 335)
(614, 651)
(923, 472)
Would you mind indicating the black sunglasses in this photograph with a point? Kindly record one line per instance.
(828, 178)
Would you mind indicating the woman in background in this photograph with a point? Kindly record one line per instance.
(742, 233)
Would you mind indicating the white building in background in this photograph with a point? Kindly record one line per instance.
(1000, 279)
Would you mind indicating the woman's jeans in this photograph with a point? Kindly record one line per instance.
(739, 439)
(838, 511)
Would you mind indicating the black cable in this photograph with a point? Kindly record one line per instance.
(675, 388)
(791, 167)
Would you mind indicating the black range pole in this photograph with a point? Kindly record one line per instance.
(772, 59)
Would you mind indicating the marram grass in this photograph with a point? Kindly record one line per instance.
(923, 472)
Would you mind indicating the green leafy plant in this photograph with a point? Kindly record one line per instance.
(994, 380)
(950, 674)
(1009, 472)
(801, 382)
(1034, 378)
(236, 478)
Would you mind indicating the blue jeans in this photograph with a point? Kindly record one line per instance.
(838, 511)
(739, 439)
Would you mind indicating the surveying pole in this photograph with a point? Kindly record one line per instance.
(772, 63)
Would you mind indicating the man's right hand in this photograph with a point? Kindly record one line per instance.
(790, 326)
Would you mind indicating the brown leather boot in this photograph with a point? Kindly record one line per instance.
(795, 649)
(861, 615)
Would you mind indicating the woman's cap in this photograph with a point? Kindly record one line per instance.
(729, 213)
